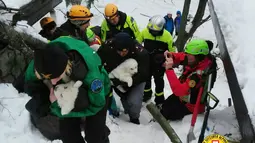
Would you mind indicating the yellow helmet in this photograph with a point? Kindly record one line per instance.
(110, 10)
(45, 21)
(79, 12)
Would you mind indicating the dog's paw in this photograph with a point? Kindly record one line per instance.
(66, 110)
(111, 75)
(77, 84)
(129, 82)
(60, 102)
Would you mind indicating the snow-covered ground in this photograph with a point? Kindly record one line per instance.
(15, 4)
(237, 25)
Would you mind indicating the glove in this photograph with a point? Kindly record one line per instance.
(159, 58)
(116, 82)
(82, 100)
(122, 88)
(34, 87)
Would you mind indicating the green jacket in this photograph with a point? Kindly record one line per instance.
(126, 24)
(164, 42)
(96, 79)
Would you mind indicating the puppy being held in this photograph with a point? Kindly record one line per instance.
(66, 95)
(125, 71)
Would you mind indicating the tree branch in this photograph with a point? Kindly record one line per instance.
(7, 110)
(205, 20)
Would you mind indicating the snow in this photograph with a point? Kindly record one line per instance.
(15, 3)
(14, 118)
(236, 26)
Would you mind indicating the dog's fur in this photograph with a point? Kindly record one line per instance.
(66, 95)
(125, 71)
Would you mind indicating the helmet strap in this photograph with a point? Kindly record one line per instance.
(156, 33)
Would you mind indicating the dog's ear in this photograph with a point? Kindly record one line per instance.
(77, 84)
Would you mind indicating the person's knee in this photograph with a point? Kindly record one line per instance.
(172, 116)
(97, 136)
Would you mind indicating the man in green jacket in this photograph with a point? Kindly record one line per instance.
(117, 21)
(60, 61)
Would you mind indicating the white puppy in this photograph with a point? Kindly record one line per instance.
(125, 71)
(66, 95)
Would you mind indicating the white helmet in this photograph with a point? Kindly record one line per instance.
(156, 23)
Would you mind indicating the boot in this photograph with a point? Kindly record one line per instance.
(135, 121)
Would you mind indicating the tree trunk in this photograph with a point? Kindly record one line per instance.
(163, 123)
(16, 51)
(89, 3)
(181, 40)
(197, 21)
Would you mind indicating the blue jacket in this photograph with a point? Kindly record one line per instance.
(169, 25)
(177, 22)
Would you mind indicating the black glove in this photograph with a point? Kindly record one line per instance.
(116, 82)
(37, 107)
(34, 87)
(159, 58)
(82, 100)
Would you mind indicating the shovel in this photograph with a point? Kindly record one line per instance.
(191, 135)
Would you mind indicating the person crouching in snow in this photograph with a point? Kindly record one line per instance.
(197, 60)
(115, 52)
(66, 59)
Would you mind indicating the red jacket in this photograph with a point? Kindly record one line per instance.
(182, 86)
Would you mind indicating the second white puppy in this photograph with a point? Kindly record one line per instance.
(125, 71)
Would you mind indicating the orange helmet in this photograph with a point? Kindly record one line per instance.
(79, 12)
(45, 21)
(110, 10)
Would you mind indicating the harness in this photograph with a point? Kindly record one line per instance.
(200, 73)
